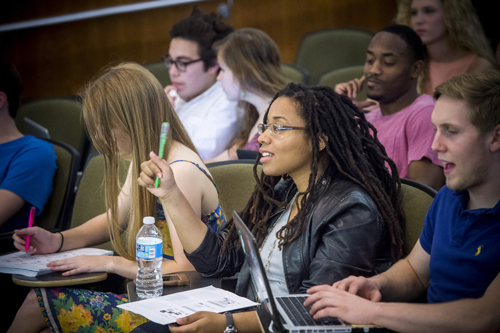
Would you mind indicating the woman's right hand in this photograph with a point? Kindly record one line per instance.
(351, 89)
(157, 167)
(41, 240)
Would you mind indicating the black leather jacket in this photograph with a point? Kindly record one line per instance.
(344, 235)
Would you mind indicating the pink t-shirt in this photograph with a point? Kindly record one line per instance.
(443, 71)
(407, 135)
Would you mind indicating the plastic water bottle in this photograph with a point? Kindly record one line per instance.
(149, 255)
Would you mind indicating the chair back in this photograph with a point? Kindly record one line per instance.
(61, 116)
(236, 183)
(57, 209)
(323, 51)
(417, 198)
(295, 73)
(341, 75)
(89, 200)
(160, 72)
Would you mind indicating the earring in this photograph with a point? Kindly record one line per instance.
(243, 95)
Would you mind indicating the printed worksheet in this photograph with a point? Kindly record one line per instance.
(166, 309)
(34, 265)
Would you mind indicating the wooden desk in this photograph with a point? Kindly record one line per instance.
(58, 280)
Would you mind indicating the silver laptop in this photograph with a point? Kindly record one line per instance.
(288, 314)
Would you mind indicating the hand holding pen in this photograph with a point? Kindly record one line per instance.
(30, 224)
(41, 240)
(163, 139)
(34, 239)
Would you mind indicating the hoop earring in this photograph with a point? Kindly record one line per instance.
(243, 95)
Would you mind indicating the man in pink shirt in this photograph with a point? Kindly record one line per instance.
(394, 60)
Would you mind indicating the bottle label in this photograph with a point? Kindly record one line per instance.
(149, 251)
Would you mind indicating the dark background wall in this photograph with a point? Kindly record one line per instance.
(58, 60)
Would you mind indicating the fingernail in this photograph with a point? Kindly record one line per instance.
(153, 153)
(158, 175)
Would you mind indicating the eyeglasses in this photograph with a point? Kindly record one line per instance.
(276, 129)
(179, 64)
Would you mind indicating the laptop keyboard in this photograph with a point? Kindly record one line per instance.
(299, 314)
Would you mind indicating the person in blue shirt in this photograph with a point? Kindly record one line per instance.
(27, 164)
(457, 259)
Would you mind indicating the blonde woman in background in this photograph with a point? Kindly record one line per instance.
(250, 73)
(452, 35)
(123, 110)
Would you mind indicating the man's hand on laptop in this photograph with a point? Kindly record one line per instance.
(329, 301)
(360, 286)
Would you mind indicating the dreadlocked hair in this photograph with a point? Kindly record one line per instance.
(355, 153)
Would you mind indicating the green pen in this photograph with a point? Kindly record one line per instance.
(163, 140)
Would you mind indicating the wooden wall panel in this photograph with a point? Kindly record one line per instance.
(58, 60)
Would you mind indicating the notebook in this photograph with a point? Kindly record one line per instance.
(288, 314)
(36, 265)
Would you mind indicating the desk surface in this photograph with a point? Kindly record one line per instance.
(197, 281)
(58, 280)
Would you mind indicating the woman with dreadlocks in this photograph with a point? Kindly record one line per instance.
(325, 206)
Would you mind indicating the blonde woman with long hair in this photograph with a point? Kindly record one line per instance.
(123, 110)
(453, 36)
(250, 73)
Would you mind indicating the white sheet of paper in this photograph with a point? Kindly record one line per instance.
(166, 309)
(34, 265)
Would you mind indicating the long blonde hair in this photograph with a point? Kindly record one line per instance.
(128, 97)
(463, 27)
(254, 59)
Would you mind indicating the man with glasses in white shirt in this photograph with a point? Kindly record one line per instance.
(209, 118)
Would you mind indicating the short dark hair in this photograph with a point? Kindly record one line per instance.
(11, 85)
(204, 30)
(412, 40)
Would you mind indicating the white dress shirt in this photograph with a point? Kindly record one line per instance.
(210, 120)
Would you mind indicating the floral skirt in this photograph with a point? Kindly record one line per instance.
(78, 310)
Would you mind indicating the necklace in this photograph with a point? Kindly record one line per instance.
(272, 247)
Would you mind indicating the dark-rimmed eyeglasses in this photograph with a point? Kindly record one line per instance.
(181, 65)
(276, 129)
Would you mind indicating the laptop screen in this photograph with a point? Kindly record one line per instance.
(260, 282)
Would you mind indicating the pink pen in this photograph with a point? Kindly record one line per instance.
(30, 224)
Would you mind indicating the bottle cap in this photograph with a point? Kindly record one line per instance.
(148, 220)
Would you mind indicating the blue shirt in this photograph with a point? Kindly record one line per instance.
(27, 167)
(464, 246)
